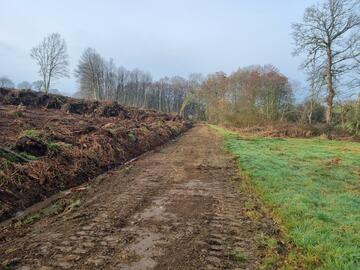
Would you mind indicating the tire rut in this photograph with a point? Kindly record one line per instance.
(177, 208)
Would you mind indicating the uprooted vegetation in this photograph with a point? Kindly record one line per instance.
(49, 143)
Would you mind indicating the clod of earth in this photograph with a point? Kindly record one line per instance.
(32, 146)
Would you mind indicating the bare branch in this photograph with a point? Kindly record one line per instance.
(329, 39)
(52, 58)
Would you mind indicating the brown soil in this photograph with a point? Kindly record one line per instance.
(183, 206)
(50, 143)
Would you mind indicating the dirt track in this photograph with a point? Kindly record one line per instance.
(178, 207)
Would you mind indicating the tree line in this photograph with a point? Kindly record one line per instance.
(102, 80)
(328, 38)
(6, 82)
(252, 94)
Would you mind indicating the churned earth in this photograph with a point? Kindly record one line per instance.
(180, 206)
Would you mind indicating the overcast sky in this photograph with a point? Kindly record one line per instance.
(164, 37)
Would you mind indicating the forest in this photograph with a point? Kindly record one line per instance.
(255, 95)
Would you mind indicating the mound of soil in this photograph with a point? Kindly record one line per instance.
(31, 98)
(32, 146)
(78, 106)
(111, 109)
(68, 142)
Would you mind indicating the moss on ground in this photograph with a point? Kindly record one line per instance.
(31, 133)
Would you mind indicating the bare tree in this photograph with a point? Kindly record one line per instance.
(99, 79)
(356, 77)
(110, 79)
(5, 82)
(195, 80)
(24, 85)
(122, 80)
(90, 73)
(314, 96)
(52, 58)
(37, 85)
(327, 36)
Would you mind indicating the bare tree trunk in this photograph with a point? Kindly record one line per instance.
(48, 84)
(45, 84)
(310, 118)
(342, 115)
(330, 87)
(311, 111)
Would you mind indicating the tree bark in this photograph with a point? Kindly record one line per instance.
(330, 87)
(45, 84)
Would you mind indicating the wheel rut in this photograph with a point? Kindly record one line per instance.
(179, 207)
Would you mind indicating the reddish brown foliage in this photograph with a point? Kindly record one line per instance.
(94, 138)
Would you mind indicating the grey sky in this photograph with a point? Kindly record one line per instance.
(164, 37)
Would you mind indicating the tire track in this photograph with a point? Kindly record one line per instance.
(176, 208)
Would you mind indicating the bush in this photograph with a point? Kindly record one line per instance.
(348, 116)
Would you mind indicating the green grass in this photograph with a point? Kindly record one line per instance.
(54, 209)
(132, 137)
(53, 147)
(313, 186)
(238, 256)
(28, 156)
(31, 133)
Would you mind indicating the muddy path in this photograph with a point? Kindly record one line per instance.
(179, 207)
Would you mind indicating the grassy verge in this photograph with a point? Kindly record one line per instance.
(313, 186)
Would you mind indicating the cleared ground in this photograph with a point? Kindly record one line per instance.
(313, 187)
(182, 206)
(50, 143)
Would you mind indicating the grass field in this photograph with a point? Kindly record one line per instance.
(313, 187)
